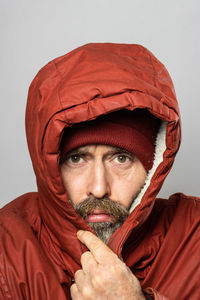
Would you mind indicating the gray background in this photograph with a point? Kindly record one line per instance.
(34, 32)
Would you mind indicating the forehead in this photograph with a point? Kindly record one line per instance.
(98, 147)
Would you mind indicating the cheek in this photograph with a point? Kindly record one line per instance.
(75, 185)
(127, 186)
(124, 191)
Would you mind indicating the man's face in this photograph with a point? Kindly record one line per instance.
(102, 182)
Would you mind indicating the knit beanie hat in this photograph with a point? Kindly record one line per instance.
(134, 131)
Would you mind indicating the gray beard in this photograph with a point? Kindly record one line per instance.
(103, 230)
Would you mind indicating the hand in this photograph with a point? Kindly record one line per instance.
(103, 274)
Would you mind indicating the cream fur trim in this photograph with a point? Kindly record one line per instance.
(160, 147)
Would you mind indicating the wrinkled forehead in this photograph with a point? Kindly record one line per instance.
(101, 147)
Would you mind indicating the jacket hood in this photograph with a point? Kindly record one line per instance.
(92, 80)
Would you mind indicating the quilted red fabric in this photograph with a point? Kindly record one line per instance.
(39, 250)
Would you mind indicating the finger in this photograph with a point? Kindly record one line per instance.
(75, 294)
(79, 278)
(83, 285)
(88, 262)
(101, 252)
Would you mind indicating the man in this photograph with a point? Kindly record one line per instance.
(108, 159)
(103, 129)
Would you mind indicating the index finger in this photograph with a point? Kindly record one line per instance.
(101, 252)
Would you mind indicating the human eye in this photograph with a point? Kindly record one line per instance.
(122, 159)
(74, 159)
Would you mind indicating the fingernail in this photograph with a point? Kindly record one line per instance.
(80, 232)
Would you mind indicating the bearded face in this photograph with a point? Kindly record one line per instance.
(94, 210)
(93, 175)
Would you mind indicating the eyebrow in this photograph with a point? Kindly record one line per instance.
(121, 150)
(118, 151)
(78, 151)
(114, 150)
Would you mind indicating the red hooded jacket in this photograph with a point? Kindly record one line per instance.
(159, 241)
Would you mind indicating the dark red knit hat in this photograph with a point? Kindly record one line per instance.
(134, 131)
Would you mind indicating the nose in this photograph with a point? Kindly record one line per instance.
(98, 181)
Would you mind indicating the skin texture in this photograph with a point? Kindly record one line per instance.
(103, 274)
(103, 172)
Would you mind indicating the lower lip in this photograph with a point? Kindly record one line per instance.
(95, 218)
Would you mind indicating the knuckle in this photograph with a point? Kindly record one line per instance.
(73, 289)
(117, 270)
(86, 292)
(99, 246)
(78, 274)
(86, 255)
(97, 281)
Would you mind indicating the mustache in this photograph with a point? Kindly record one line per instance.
(108, 206)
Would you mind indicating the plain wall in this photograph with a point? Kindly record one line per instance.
(35, 32)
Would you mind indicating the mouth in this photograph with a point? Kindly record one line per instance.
(98, 216)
